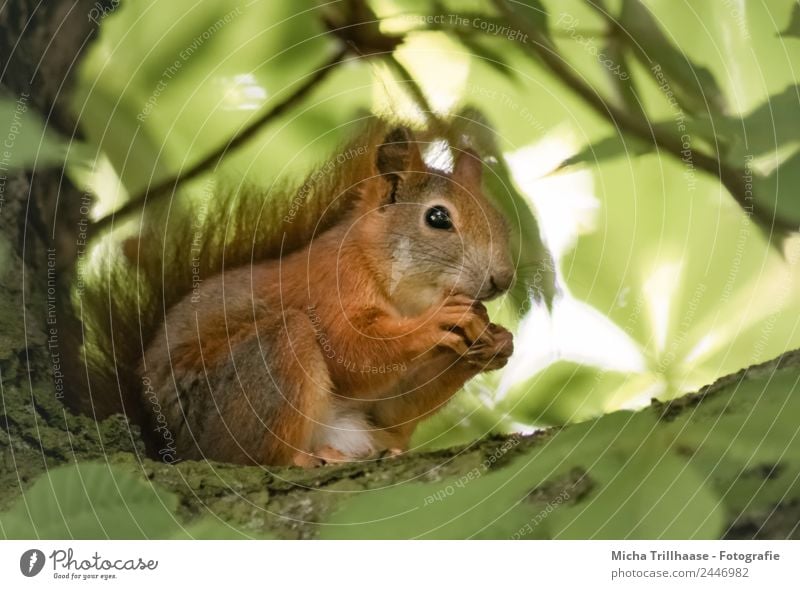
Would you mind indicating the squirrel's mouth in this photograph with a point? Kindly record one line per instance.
(490, 291)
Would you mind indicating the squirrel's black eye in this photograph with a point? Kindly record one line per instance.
(438, 217)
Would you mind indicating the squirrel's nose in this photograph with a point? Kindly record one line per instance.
(501, 281)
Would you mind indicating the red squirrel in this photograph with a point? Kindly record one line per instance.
(337, 350)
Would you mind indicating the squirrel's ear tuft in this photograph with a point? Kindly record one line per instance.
(468, 168)
(399, 153)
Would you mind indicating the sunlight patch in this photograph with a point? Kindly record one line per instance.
(565, 203)
(241, 92)
(660, 290)
(575, 331)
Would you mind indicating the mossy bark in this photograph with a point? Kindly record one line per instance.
(40, 48)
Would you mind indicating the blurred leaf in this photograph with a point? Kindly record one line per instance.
(610, 147)
(467, 418)
(777, 193)
(91, 501)
(487, 55)
(195, 75)
(767, 137)
(793, 28)
(719, 134)
(26, 141)
(769, 127)
(768, 130)
(564, 392)
(695, 86)
(534, 13)
(686, 311)
(620, 76)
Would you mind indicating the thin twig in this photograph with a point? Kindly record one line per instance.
(168, 186)
(730, 177)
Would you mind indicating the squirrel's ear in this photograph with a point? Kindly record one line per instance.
(468, 168)
(399, 153)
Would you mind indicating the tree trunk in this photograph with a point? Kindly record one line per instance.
(40, 47)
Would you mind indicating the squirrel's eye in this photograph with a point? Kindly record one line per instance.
(438, 217)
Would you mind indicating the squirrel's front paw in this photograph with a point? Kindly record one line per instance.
(492, 350)
(457, 322)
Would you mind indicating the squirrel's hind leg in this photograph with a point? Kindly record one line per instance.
(267, 396)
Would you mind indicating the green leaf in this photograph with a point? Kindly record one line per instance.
(478, 504)
(26, 141)
(670, 472)
(752, 450)
(608, 148)
(534, 12)
(197, 75)
(766, 138)
(695, 87)
(564, 392)
(793, 28)
(487, 55)
(777, 192)
(645, 492)
(91, 501)
(769, 127)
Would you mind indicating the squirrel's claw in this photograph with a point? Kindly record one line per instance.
(306, 460)
(493, 350)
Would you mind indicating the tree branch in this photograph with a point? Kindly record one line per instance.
(170, 185)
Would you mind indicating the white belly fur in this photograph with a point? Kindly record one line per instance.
(346, 430)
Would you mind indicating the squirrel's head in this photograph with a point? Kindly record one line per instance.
(439, 231)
